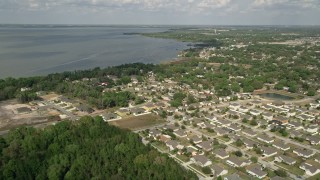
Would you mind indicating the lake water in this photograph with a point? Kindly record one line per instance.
(276, 96)
(40, 50)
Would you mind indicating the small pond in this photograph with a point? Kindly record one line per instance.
(276, 96)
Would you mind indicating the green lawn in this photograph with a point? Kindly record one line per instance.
(183, 158)
(292, 169)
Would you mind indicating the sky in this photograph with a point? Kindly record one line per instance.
(161, 12)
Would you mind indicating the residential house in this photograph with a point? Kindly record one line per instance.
(172, 145)
(267, 107)
(295, 125)
(243, 109)
(221, 131)
(164, 138)
(85, 108)
(201, 160)
(154, 133)
(249, 132)
(286, 159)
(233, 176)
(211, 118)
(281, 145)
(235, 161)
(192, 150)
(255, 112)
(256, 171)
(306, 117)
(138, 111)
(223, 122)
(306, 153)
(310, 167)
(220, 153)
(67, 101)
(294, 133)
(196, 139)
(249, 143)
(180, 133)
(234, 137)
(149, 106)
(218, 170)
(281, 120)
(171, 127)
(314, 140)
(235, 127)
(109, 116)
(313, 129)
(123, 112)
(234, 106)
(267, 116)
(265, 138)
(269, 151)
(205, 145)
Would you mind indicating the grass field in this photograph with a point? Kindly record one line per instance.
(138, 122)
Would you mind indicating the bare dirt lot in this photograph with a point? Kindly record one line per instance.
(138, 122)
(11, 118)
(50, 96)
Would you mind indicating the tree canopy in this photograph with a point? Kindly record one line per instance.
(87, 149)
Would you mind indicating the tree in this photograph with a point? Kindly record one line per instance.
(235, 87)
(253, 123)
(244, 120)
(65, 151)
(206, 170)
(238, 153)
(311, 92)
(281, 173)
(254, 159)
(239, 142)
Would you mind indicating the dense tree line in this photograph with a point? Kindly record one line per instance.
(64, 83)
(87, 149)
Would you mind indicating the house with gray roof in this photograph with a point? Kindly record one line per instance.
(285, 159)
(256, 171)
(249, 132)
(265, 138)
(221, 153)
(217, 170)
(109, 116)
(269, 151)
(306, 153)
(281, 145)
(195, 139)
(235, 161)
(249, 143)
(295, 125)
(235, 127)
(205, 145)
(233, 176)
(172, 145)
(221, 131)
(314, 140)
(180, 133)
(201, 160)
(310, 167)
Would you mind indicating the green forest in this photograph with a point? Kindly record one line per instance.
(86, 149)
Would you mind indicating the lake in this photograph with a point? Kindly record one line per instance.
(276, 96)
(39, 50)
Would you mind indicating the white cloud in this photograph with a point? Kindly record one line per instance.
(155, 5)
